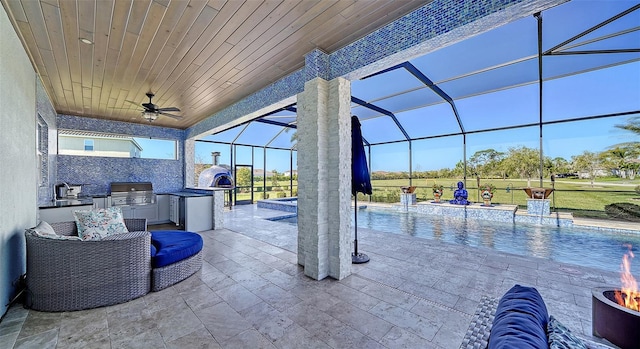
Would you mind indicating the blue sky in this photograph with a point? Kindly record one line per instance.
(157, 148)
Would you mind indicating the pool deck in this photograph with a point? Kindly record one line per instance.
(438, 285)
(414, 293)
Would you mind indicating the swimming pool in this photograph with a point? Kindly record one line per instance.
(574, 245)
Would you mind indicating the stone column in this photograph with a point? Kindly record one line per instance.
(324, 178)
(217, 221)
(189, 163)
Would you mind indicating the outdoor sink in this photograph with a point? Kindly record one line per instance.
(73, 202)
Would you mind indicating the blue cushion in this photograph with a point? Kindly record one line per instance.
(520, 321)
(173, 246)
(154, 250)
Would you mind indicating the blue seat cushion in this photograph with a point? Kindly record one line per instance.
(173, 246)
(520, 321)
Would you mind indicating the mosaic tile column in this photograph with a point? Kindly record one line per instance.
(218, 209)
(539, 207)
(189, 163)
(324, 179)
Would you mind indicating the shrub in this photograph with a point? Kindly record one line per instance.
(623, 211)
(280, 194)
(637, 189)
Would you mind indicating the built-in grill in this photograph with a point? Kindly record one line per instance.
(132, 193)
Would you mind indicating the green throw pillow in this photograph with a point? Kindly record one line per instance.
(561, 337)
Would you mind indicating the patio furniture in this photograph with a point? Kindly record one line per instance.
(480, 327)
(66, 275)
(175, 255)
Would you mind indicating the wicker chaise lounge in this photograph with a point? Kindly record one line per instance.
(66, 275)
(477, 335)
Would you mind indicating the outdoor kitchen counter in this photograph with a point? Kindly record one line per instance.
(62, 210)
(188, 194)
(68, 203)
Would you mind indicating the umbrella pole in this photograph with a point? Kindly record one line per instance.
(357, 258)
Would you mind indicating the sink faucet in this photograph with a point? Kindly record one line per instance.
(56, 193)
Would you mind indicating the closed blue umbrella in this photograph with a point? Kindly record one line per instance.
(360, 180)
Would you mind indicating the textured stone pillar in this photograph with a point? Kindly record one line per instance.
(189, 163)
(217, 205)
(324, 178)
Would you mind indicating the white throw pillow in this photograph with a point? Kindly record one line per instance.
(99, 223)
(43, 229)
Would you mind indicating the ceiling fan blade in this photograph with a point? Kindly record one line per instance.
(135, 103)
(177, 117)
(169, 109)
(149, 106)
(129, 108)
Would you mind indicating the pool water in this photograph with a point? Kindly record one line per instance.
(578, 246)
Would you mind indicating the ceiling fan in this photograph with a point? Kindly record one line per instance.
(151, 111)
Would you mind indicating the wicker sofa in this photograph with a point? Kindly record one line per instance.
(66, 275)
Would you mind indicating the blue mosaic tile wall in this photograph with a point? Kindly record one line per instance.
(438, 23)
(503, 214)
(280, 205)
(281, 89)
(317, 64)
(98, 172)
(71, 122)
(46, 115)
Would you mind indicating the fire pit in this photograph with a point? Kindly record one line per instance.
(538, 193)
(614, 322)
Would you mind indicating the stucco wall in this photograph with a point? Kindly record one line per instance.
(18, 191)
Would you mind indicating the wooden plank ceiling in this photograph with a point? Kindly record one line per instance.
(199, 56)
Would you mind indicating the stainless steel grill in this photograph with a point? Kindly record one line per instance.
(132, 193)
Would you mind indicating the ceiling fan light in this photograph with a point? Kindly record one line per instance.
(149, 116)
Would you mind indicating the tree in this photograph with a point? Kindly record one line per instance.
(633, 160)
(199, 166)
(633, 125)
(484, 161)
(560, 165)
(458, 170)
(274, 179)
(523, 162)
(614, 160)
(417, 172)
(243, 177)
(588, 162)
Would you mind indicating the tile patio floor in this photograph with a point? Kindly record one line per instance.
(250, 293)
